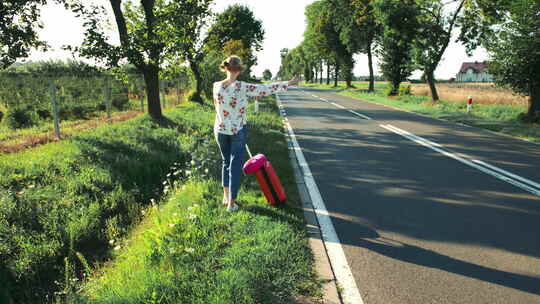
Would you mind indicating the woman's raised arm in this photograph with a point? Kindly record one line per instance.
(261, 90)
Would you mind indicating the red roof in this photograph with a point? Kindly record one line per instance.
(478, 67)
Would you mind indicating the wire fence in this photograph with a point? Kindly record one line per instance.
(28, 100)
(33, 104)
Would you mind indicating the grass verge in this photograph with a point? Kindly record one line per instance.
(66, 207)
(497, 118)
(191, 250)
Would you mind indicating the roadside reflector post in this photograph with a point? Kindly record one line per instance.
(469, 104)
(256, 105)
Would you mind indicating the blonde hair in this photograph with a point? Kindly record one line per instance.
(233, 64)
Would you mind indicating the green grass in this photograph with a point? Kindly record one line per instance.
(65, 206)
(77, 194)
(190, 250)
(498, 118)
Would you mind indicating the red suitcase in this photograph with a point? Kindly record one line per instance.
(267, 178)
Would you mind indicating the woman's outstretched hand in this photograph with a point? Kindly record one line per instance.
(294, 81)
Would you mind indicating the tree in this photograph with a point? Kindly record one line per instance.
(152, 33)
(399, 22)
(321, 18)
(515, 53)
(365, 30)
(237, 23)
(267, 75)
(436, 26)
(19, 20)
(238, 48)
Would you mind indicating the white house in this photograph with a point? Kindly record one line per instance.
(474, 72)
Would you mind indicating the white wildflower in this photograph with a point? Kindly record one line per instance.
(193, 163)
(190, 250)
(117, 247)
(111, 242)
(192, 216)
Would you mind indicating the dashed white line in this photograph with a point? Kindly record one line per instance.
(501, 174)
(349, 289)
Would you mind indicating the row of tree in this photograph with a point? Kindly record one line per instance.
(157, 37)
(409, 35)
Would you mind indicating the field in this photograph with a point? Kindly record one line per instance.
(486, 94)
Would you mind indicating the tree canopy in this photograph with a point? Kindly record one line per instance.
(19, 22)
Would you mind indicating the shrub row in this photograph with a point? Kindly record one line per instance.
(24, 116)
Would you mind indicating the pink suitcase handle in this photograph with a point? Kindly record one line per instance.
(254, 163)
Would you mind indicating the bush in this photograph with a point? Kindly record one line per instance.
(194, 97)
(80, 112)
(526, 118)
(44, 113)
(120, 101)
(404, 90)
(21, 117)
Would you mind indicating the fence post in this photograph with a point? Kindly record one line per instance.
(107, 96)
(56, 119)
(178, 92)
(163, 95)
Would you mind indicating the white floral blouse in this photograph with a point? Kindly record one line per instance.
(231, 103)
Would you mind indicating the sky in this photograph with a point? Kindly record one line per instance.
(283, 21)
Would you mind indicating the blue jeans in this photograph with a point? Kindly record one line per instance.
(232, 149)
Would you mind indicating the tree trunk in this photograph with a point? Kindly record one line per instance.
(328, 72)
(196, 96)
(321, 72)
(395, 88)
(336, 73)
(151, 78)
(534, 102)
(432, 87)
(370, 66)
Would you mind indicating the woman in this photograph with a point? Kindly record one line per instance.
(230, 101)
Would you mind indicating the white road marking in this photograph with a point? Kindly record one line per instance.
(521, 179)
(510, 178)
(338, 105)
(342, 107)
(361, 115)
(349, 289)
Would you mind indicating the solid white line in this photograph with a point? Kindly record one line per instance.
(338, 105)
(426, 143)
(522, 179)
(349, 289)
(361, 115)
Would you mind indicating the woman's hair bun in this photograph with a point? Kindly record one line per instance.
(232, 63)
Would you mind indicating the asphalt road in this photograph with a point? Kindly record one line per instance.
(423, 211)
